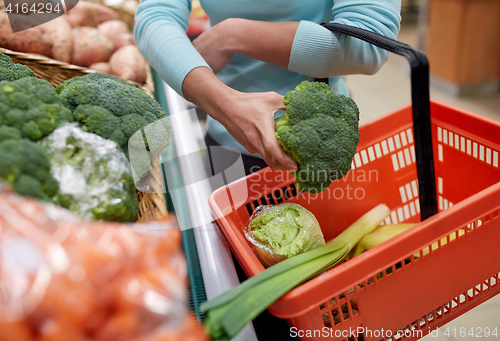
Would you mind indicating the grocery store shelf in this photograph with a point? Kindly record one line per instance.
(191, 201)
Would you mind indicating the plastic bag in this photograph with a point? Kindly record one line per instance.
(63, 278)
(94, 175)
(282, 231)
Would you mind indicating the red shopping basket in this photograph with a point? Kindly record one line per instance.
(420, 280)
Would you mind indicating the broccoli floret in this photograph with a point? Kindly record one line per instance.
(96, 181)
(9, 71)
(44, 119)
(100, 121)
(32, 106)
(4, 59)
(9, 133)
(134, 108)
(26, 166)
(320, 133)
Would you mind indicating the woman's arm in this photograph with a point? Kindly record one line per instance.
(248, 117)
(160, 34)
(306, 47)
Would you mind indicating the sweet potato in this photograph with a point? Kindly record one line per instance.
(123, 40)
(90, 46)
(101, 67)
(33, 40)
(129, 64)
(112, 29)
(59, 32)
(89, 14)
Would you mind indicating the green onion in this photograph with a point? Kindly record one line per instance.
(228, 313)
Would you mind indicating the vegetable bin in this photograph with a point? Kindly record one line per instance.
(432, 164)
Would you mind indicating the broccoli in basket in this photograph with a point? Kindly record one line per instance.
(320, 132)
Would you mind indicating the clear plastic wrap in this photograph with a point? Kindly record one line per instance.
(282, 231)
(64, 278)
(94, 175)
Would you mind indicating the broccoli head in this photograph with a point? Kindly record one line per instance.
(9, 133)
(32, 106)
(9, 71)
(319, 131)
(115, 109)
(26, 166)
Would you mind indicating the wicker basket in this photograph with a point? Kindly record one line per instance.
(57, 72)
(151, 205)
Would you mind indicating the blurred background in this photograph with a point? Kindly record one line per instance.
(461, 40)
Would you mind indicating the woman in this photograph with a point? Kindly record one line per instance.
(256, 51)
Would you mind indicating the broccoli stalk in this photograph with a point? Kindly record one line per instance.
(319, 131)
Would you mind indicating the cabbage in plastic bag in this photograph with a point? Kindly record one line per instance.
(283, 231)
(94, 175)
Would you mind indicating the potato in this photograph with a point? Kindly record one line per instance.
(89, 14)
(123, 39)
(90, 46)
(112, 29)
(33, 40)
(59, 32)
(129, 64)
(101, 67)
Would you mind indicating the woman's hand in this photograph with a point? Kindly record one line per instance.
(248, 117)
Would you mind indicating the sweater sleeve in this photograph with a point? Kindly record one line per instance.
(317, 52)
(160, 34)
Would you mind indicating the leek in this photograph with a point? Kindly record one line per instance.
(228, 313)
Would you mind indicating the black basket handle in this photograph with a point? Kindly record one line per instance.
(419, 65)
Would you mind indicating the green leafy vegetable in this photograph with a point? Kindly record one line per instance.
(283, 231)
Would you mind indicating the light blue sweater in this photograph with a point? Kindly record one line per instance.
(160, 33)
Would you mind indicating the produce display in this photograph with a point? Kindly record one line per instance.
(228, 313)
(89, 34)
(64, 278)
(283, 231)
(94, 175)
(82, 166)
(319, 131)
